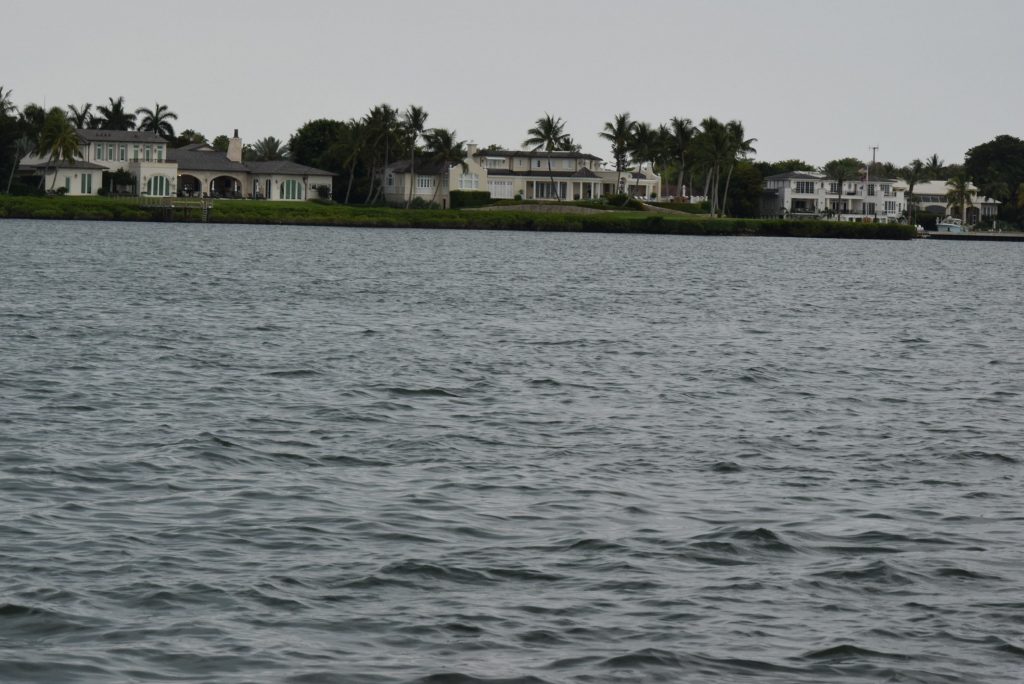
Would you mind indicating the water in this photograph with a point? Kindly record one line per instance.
(282, 454)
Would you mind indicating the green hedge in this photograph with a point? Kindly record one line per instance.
(466, 199)
(310, 213)
(686, 208)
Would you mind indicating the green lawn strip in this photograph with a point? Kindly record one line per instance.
(311, 213)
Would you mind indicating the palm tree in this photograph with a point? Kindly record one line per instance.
(80, 116)
(934, 167)
(738, 148)
(268, 149)
(22, 146)
(113, 117)
(348, 148)
(7, 106)
(643, 144)
(414, 122)
(713, 148)
(683, 132)
(382, 124)
(445, 151)
(959, 194)
(841, 171)
(617, 132)
(913, 174)
(58, 140)
(31, 118)
(157, 120)
(547, 134)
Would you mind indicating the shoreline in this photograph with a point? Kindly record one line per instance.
(248, 212)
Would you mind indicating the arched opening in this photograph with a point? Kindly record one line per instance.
(158, 186)
(189, 186)
(226, 186)
(290, 189)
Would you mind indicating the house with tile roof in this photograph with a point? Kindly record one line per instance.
(508, 174)
(196, 170)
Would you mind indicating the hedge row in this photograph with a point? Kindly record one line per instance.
(309, 213)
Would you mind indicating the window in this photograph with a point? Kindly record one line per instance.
(469, 181)
(871, 189)
(110, 151)
(99, 152)
(833, 188)
(149, 153)
(159, 153)
(536, 163)
(890, 207)
(67, 185)
(495, 163)
(291, 190)
(424, 181)
(806, 187)
(135, 153)
(122, 152)
(391, 180)
(86, 184)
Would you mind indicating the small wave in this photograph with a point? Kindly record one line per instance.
(878, 572)
(297, 373)
(460, 678)
(984, 457)
(843, 652)
(420, 392)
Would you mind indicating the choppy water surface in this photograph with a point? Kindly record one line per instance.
(245, 454)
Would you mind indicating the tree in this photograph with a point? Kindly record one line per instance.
(784, 166)
(444, 151)
(934, 167)
(157, 120)
(31, 119)
(682, 136)
(747, 186)
(618, 132)
(7, 106)
(113, 116)
(642, 148)
(738, 147)
(997, 168)
(382, 125)
(547, 134)
(713, 147)
(221, 143)
(22, 146)
(267, 149)
(414, 122)
(841, 171)
(58, 140)
(188, 137)
(959, 194)
(913, 174)
(348, 150)
(82, 116)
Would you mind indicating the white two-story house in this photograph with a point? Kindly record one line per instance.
(809, 194)
(511, 174)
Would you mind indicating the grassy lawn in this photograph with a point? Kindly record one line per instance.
(312, 213)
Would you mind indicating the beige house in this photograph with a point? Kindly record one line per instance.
(511, 174)
(192, 171)
(930, 198)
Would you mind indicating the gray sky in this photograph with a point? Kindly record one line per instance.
(811, 79)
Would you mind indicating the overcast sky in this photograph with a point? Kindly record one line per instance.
(810, 79)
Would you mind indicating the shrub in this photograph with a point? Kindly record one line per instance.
(464, 199)
(624, 202)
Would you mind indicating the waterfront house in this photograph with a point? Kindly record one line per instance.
(930, 199)
(196, 170)
(809, 194)
(511, 174)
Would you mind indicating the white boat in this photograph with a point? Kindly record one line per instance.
(950, 225)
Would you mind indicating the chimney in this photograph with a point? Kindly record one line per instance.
(235, 148)
(471, 149)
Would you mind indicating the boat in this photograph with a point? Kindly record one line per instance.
(950, 225)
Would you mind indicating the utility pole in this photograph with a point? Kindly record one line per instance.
(867, 180)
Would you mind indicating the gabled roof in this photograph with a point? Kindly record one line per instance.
(797, 175)
(98, 134)
(424, 167)
(531, 154)
(202, 160)
(284, 166)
